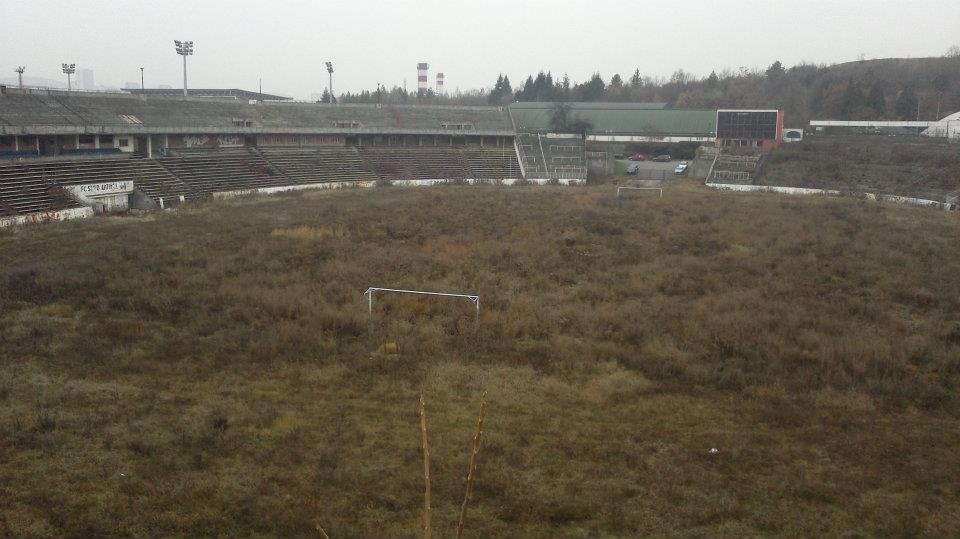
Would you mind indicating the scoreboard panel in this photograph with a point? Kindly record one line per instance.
(747, 124)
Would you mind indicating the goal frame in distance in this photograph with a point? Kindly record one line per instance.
(475, 299)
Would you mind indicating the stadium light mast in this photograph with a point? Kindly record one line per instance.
(142, 87)
(68, 70)
(20, 70)
(184, 48)
(330, 72)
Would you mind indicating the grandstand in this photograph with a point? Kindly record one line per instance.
(492, 163)
(173, 149)
(26, 191)
(406, 164)
(30, 187)
(71, 113)
(205, 172)
(318, 165)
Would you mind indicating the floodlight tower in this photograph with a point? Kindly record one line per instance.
(330, 72)
(68, 70)
(20, 70)
(184, 48)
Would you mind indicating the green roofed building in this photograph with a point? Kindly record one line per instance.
(623, 122)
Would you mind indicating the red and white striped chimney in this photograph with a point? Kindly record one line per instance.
(422, 83)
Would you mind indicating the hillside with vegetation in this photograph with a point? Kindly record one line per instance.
(862, 90)
(906, 166)
(881, 89)
(699, 365)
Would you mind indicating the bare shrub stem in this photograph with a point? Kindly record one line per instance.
(426, 467)
(473, 464)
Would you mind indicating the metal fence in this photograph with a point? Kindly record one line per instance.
(730, 176)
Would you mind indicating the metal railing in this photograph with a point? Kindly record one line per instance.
(729, 175)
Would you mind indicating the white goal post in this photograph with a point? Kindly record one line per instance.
(660, 189)
(370, 291)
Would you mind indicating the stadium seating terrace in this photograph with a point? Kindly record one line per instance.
(48, 111)
(176, 149)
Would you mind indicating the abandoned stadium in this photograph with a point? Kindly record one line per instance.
(756, 365)
(74, 154)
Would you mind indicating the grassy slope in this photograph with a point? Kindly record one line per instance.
(212, 371)
(893, 165)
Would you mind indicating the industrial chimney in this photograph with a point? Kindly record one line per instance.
(422, 83)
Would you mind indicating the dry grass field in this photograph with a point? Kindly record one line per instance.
(214, 371)
(906, 166)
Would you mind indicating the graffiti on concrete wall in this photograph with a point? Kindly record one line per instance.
(229, 140)
(196, 141)
(44, 217)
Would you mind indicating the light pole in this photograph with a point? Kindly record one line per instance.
(330, 72)
(20, 70)
(142, 87)
(184, 48)
(68, 70)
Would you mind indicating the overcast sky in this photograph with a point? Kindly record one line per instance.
(286, 41)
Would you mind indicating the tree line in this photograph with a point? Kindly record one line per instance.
(888, 89)
(885, 89)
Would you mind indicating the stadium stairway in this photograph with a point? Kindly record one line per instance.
(550, 157)
(534, 161)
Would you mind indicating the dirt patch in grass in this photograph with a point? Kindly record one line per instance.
(215, 371)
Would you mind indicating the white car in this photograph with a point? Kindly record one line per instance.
(681, 168)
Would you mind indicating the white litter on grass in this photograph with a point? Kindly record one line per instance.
(713, 451)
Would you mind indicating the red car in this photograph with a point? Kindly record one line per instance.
(637, 157)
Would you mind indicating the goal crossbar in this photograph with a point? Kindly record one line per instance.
(370, 291)
(640, 189)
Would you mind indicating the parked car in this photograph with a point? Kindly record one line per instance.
(681, 168)
(637, 157)
(618, 156)
(633, 169)
(664, 158)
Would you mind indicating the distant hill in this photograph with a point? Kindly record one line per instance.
(889, 88)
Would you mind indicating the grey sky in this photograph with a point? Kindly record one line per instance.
(286, 42)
